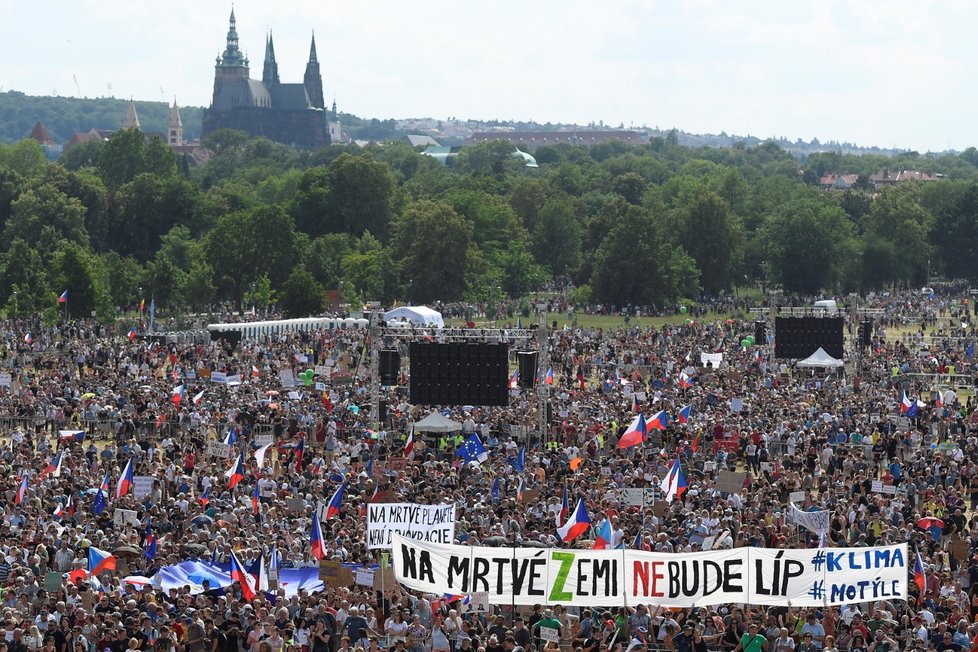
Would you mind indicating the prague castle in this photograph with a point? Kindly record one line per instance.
(293, 114)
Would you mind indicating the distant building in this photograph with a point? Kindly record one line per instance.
(530, 140)
(294, 114)
(838, 181)
(52, 150)
(886, 177)
(421, 140)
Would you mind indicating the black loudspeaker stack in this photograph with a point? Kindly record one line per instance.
(866, 332)
(760, 332)
(459, 373)
(390, 367)
(527, 367)
(799, 337)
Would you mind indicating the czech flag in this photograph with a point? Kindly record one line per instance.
(239, 575)
(906, 404)
(635, 406)
(132, 333)
(580, 377)
(231, 437)
(316, 539)
(696, 443)
(21, 491)
(69, 508)
(576, 525)
(684, 413)
(254, 372)
(125, 481)
(549, 378)
(262, 574)
(255, 497)
(564, 507)
(461, 597)
(674, 484)
(64, 297)
(177, 395)
(938, 398)
(409, 444)
(602, 540)
(237, 472)
(53, 468)
(59, 512)
(918, 576)
(520, 489)
(514, 380)
(28, 339)
(335, 503)
(149, 542)
(659, 421)
(205, 497)
(199, 397)
(100, 560)
(684, 381)
(635, 433)
(299, 450)
(260, 453)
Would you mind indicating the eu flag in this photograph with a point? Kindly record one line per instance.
(472, 450)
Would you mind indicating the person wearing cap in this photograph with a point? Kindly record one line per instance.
(683, 641)
(751, 641)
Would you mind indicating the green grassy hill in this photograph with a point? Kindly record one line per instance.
(63, 116)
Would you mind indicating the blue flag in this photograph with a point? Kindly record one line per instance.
(472, 450)
(99, 504)
(495, 489)
(638, 540)
(150, 542)
(970, 351)
(519, 462)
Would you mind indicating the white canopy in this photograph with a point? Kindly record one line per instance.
(435, 422)
(820, 359)
(417, 315)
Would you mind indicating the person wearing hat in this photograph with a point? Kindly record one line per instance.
(548, 620)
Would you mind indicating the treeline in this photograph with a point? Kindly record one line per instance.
(119, 221)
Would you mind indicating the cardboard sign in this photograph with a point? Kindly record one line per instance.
(633, 497)
(124, 517)
(550, 634)
(142, 486)
(731, 482)
(295, 504)
(365, 577)
(218, 377)
(531, 495)
(321, 370)
(334, 574)
(397, 463)
(5, 380)
(261, 440)
(384, 579)
(218, 448)
(880, 488)
(286, 378)
(797, 496)
(232, 381)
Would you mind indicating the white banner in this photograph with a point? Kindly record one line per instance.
(527, 576)
(142, 486)
(431, 523)
(713, 358)
(218, 377)
(817, 522)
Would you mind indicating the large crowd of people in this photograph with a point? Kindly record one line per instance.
(78, 404)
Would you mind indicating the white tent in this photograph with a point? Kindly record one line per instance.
(435, 422)
(820, 359)
(417, 315)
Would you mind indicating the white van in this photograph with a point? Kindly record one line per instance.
(828, 306)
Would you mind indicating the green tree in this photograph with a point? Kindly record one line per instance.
(24, 273)
(369, 271)
(631, 186)
(46, 206)
(25, 157)
(122, 157)
(301, 295)
(556, 238)
(325, 256)
(898, 216)
(808, 244)
(311, 202)
(361, 192)
(77, 271)
(710, 235)
(433, 241)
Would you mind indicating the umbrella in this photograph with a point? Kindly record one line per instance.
(202, 519)
(88, 395)
(273, 406)
(194, 548)
(271, 392)
(127, 551)
(929, 522)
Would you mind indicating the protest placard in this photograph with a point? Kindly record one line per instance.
(142, 486)
(431, 523)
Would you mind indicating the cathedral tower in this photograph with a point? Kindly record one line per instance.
(313, 79)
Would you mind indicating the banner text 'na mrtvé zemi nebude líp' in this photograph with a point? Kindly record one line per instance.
(760, 576)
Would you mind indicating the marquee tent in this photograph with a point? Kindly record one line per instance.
(435, 422)
(417, 315)
(820, 359)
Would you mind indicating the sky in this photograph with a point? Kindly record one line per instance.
(895, 74)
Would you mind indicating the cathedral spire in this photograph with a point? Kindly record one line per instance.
(312, 49)
(232, 57)
(270, 71)
(175, 133)
(132, 120)
(313, 79)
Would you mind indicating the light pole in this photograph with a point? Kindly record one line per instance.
(15, 304)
